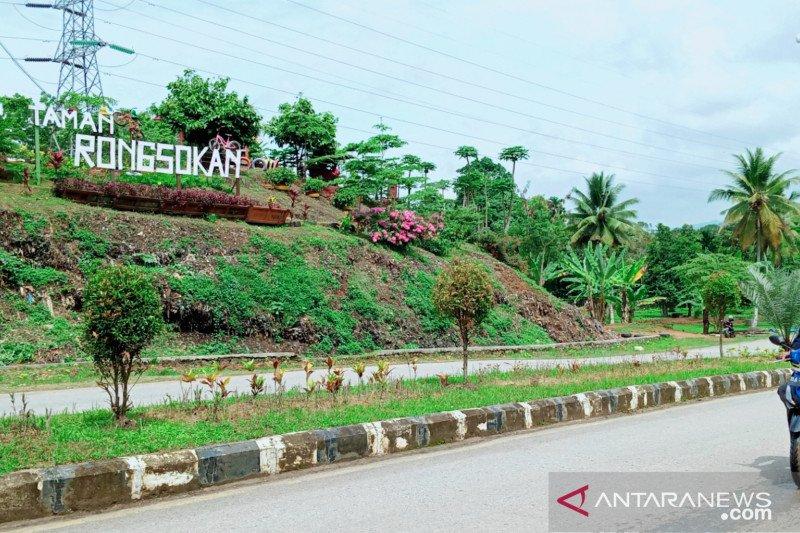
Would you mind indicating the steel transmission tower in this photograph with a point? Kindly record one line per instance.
(79, 71)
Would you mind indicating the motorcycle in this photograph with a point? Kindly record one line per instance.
(789, 394)
(727, 329)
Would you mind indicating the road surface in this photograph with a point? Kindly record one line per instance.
(499, 484)
(86, 398)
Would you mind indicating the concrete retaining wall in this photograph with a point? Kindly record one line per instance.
(97, 485)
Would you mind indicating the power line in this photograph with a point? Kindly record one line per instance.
(436, 128)
(14, 37)
(550, 49)
(597, 64)
(29, 20)
(434, 107)
(19, 66)
(428, 87)
(500, 72)
(461, 134)
(421, 69)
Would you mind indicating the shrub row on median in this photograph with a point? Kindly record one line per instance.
(97, 485)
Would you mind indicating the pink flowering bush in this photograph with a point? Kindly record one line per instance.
(395, 227)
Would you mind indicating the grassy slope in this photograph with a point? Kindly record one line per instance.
(92, 435)
(231, 287)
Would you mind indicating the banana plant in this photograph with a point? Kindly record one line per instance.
(593, 277)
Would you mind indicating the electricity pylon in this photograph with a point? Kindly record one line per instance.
(77, 48)
(79, 71)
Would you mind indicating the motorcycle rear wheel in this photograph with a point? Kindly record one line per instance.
(794, 458)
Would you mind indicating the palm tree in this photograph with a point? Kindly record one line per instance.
(599, 215)
(777, 293)
(761, 205)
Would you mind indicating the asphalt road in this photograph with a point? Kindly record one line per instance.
(86, 398)
(499, 484)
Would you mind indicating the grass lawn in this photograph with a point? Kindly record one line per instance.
(64, 438)
(82, 374)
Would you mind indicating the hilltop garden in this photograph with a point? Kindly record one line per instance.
(363, 232)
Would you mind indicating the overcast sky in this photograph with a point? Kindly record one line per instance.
(659, 93)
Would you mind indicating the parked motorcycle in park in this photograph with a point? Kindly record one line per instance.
(727, 328)
(790, 396)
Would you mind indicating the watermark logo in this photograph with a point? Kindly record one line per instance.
(564, 500)
(671, 501)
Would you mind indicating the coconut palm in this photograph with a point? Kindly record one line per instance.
(761, 202)
(762, 205)
(599, 215)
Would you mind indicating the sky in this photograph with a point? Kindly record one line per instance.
(659, 93)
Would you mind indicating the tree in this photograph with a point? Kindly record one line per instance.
(426, 167)
(464, 292)
(693, 274)
(541, 227)
(123, 313)
(761, 205)
(305, 133)
(669, 248)
(369, 173)
(777, 294)
(720, 293)
(513, 154)
(411, 164)
(465, 152)
(16, 129)
(599, 215)
(201, 108)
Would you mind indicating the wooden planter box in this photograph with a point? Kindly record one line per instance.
(228, 211)
(100, 200)
(282, 187)
(137, 203)
(187, 210)
(271, 216)
(312, 194)
(329, 191)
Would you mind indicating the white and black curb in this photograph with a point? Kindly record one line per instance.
(97, 485)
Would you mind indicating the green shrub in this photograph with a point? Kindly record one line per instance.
(168, 180)
(313, 185)
(281, 176)
(14, 353)
(19, 272)
(122, 315)
(345, 197)
(90, 244)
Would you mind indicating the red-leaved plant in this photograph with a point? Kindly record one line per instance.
(116, 189)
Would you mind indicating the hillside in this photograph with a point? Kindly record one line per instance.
(230, 287)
